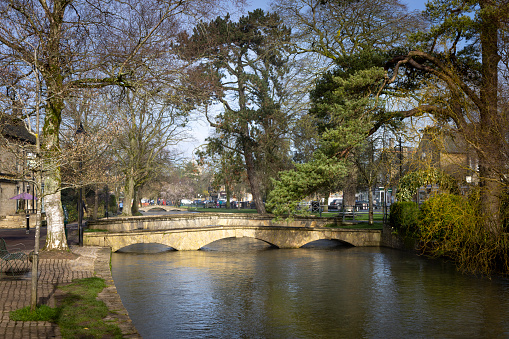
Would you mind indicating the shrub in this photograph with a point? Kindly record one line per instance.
(404, 218)
(451, 226)
(446, 217)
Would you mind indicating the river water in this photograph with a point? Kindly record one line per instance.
(243, 288)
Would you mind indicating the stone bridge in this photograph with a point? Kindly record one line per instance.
(193, 231)
(156, 208)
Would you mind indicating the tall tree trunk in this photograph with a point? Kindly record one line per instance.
(252, 175)
(370, 201)
(96, 202)
(350, 189)
(128, 196)
(253, 181)
(490, 119)
(135, 209)
(55, 238)
(228, 194)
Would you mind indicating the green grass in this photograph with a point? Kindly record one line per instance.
(358, 216)
(41, 313)
(78, 314)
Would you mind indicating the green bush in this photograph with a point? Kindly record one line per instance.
(445, 217)
(404, 217)
(451, 226)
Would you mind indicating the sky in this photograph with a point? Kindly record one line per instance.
(201, 129)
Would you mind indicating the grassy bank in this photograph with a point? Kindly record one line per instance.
(358, 215)
(78, 312)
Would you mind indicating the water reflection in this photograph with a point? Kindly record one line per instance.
(243, 288)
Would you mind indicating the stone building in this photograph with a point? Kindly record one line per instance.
(15, 145)
(449, 152)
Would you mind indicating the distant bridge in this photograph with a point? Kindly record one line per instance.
(157, 208)
(193, 231)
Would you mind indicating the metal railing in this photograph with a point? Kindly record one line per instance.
(350, 212)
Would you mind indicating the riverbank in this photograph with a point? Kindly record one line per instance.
(53, 272)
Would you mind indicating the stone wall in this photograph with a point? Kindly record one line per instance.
(17, 221)
(196, 220)
(394, 241)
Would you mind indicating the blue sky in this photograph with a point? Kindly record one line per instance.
(264, 4)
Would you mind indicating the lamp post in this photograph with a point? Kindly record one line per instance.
(27, 215)
(80, 133)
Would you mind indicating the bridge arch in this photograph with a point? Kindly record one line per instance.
(330, 242)
(215, 236)
(253, 240)
(151, 247)
(196, 238)
(168, 245)
(209, 241)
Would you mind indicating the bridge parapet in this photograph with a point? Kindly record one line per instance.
(199, 220)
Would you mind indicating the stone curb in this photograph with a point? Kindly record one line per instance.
(110, 296)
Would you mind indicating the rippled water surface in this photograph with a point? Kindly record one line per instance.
(241, 288)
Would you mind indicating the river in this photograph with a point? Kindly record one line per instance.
(243, 288)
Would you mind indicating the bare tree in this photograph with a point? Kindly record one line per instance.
(178, 185)
(83, 44)
(149, 126)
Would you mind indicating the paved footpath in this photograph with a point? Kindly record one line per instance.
(15, 292)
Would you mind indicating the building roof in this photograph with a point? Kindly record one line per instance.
(15, 128)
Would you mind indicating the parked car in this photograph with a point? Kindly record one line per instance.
(185, 202)
(304, 205)
(199, 203)
(336, 204)
(361, 205)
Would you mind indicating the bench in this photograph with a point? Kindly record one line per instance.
(15, 263)
(347, 211)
